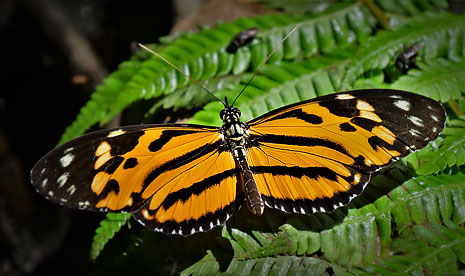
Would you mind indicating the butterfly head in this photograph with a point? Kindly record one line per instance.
(230, 114)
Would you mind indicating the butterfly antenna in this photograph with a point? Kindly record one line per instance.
(182, 72)
(264, 62)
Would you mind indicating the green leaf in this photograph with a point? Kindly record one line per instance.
(105, 232)
(203, 57)
(439, 79)
(434, 29)
(427, 250)
(443, 153)
(278, 85)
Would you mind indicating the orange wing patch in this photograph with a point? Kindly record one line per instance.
(196, 196)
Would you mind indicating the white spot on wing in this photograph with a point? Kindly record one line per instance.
(62, 179)
(362, 105)
(66, 160)
(395, 97)
(68, 150)
(44, 182)
(83, 204)
(404, 105)
(116, 133)
(71, 189)
(417, 121)
(345, 97)
(414, 132)
(352, 197)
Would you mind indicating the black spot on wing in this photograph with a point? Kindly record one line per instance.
(130, 163)
(364, 123)
(111, 186)
(299, 114)
(112, 164)
(341, 107)
(122, 144)
(299, 172)
(165, 137)
(347, 127)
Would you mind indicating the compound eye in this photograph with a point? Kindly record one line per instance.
(222, 114)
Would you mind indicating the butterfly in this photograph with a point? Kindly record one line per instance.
(311, 156)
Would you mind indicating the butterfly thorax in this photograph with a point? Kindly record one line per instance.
(233, 129)
(235, 137)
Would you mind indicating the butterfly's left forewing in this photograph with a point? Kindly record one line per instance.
(317, 155)
(174, 178)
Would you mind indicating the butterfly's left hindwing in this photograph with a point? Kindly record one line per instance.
(174, 178)
(317, 155)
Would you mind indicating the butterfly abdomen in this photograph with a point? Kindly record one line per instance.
(236, 137)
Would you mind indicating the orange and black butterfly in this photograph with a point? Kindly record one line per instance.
(311, 156)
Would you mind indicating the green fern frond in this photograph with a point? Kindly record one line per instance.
(442, 34)
(265, 256)
(439, 79)
(411, 7)
(365, 234)
(278, 85)
(425, 250)
(443, 153)
(106, 231)
(202, 56)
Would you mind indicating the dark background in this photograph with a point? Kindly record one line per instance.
(41, 93)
